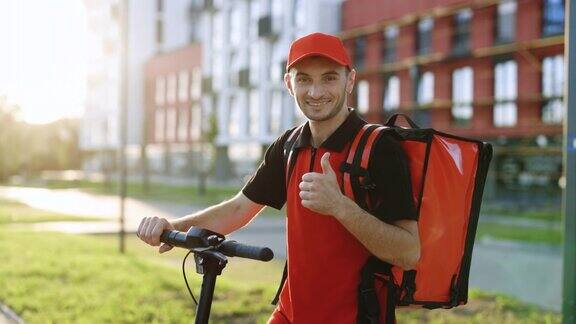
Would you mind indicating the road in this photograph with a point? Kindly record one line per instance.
(532, 273)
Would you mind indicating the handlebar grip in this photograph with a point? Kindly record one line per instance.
(174, 238)
(233, 248)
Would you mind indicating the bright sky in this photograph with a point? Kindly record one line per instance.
(43, 57)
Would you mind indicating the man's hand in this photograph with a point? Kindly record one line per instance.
(151, 229)
(320, 191)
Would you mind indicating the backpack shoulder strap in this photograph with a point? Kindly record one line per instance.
(355, 169)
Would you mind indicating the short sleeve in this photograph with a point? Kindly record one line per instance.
(267, 186)
(390, 172)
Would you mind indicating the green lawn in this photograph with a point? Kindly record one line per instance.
(51, 277)
(521, 234)
(544, 215)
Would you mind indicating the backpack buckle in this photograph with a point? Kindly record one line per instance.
(366, 183)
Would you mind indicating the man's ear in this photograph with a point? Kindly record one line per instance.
(288, 83)
(350, 81)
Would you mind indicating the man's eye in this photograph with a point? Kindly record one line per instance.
(331, 78)
(302, 80)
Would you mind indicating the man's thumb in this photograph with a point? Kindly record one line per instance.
(325, 162)
(164, 248)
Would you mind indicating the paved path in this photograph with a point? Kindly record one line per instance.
(529, 272)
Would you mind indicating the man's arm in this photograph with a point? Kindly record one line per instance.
(223, 218)
(397, 243)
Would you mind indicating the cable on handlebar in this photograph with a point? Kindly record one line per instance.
(185, 279)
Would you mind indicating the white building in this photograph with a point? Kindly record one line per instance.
(244, 49)
(245, 45)
(153, 26)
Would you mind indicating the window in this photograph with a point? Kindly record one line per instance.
(254, 115)
(171, 124)
(506, 22)
(391, 93)
(234, 118)
(360, 52)
(196, 122)
(425, 94)
(553, 17)
(236, 26)
(276, 113)
(254, 63)
(182, 125)
(389, 44)
(553, 89)
(461, 35)
(424, 39)
(159, 124)
(462, 94)
(183, 86)
(363, 95)
(171, 89)
(299, 14)
(196, 83)
(254, 17)
(160, 91)
(505, 92)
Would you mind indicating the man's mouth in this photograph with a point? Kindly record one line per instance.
(318, 103)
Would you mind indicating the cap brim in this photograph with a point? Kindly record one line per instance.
(300, 58)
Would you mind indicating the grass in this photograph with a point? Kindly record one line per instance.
(543, 215)
(67, 278)
(551, 236)
(72, 278)
(16, 212)
(77, 278)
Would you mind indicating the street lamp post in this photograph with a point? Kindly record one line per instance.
(569, 201)
(123, 118)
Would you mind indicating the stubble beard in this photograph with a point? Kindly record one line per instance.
(333, 112)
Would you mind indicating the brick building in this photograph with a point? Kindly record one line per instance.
(175, 122)
(485, 69)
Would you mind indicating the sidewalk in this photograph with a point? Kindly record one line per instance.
(7, 316)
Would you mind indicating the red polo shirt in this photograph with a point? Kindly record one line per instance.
(324, 259)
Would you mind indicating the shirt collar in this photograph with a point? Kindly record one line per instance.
(337, 140)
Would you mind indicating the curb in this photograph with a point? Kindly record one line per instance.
(8, 316)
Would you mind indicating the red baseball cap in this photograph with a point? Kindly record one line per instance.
(318, 44)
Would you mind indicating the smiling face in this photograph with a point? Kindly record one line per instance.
(320, 87)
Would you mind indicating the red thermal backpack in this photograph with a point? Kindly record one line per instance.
(448, 174)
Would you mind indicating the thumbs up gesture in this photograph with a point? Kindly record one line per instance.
(320, 191)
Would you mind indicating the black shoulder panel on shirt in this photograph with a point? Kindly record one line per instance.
(267, 185)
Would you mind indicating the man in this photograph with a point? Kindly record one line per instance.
(329, 237)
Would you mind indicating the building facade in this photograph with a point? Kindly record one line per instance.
(154, 27)
(485, 69)
(244, 104)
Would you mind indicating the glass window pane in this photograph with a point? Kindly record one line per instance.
(254, 113)
(363, 96)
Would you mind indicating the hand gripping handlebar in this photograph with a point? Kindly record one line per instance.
(199, 240)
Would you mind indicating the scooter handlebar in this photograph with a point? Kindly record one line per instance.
(233, 248)
(227, 247)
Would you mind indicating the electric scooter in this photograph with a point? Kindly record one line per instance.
(210, 255)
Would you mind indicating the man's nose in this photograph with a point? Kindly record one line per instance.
(316, 91)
